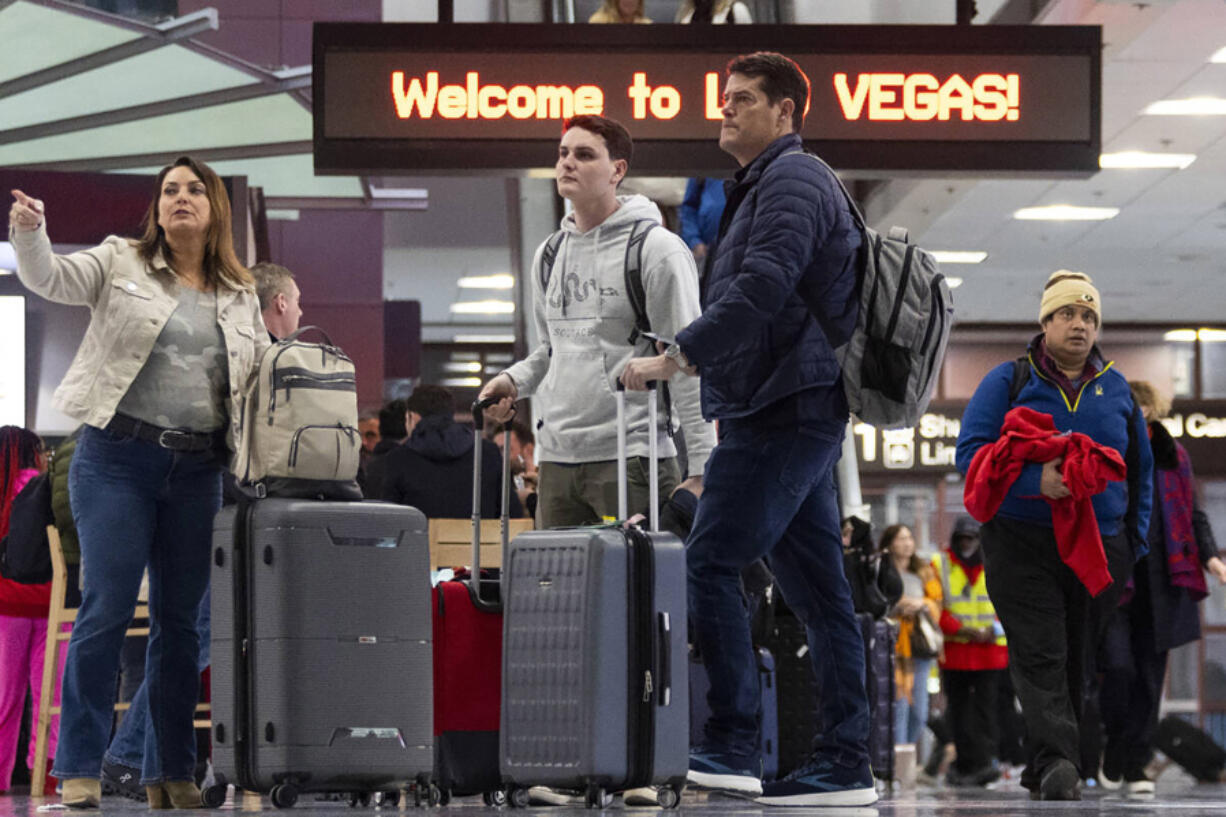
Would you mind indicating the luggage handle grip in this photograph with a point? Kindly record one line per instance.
(653, 455)
(664, 674)
(303, 330)
(474, 582)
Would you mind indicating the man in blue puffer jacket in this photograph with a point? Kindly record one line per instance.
(1051, 622)
(787, 249)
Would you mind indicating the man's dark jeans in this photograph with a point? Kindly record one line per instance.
(1052, 626)
(769, 492)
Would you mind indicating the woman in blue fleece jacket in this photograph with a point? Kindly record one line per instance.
(1049, 618)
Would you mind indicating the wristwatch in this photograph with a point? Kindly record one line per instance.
(675, 354)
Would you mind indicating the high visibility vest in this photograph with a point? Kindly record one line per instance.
(967, 602)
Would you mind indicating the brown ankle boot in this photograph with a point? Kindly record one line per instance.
(82, 792)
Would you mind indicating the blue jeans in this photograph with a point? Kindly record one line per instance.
(128, 745)
(136, 504)
(911, 719)
(769, 492)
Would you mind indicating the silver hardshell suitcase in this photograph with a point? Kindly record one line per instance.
(594, 675)
(321, 646)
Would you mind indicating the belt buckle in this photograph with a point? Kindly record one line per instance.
(175, 440)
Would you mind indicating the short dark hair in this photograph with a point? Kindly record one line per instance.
(781, 79)
(616, 137)
(391, 421)
(271, 280)
(428, 400)
(523, 433)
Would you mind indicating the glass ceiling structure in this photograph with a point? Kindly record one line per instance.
(83, 90)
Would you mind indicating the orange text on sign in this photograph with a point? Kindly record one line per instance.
(474, 100)
(922, 97)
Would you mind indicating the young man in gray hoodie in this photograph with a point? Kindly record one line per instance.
(585, 319)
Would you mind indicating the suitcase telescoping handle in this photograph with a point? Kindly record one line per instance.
(653, 455)
(504, 517)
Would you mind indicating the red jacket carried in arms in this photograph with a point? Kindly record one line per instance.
(1031, 436)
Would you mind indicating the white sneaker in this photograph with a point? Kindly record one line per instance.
(1142, 786)
(642, 796)
(545, 796)
(1107, 784)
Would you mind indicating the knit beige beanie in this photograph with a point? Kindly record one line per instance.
(1065, 287)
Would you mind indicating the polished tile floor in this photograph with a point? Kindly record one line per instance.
(1177, 796)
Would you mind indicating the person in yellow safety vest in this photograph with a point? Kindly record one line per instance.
(975, 656)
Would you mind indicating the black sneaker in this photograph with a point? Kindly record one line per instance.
(1137, 782)
(822, 783)
(1060, 782)
(123, 780)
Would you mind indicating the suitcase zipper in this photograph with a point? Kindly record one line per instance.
(641, 726)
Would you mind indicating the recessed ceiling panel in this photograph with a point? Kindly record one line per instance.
(164, 73)
(250, 122)
(33, 38)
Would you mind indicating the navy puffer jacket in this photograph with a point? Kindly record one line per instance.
(786, 239)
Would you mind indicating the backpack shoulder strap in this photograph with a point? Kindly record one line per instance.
(549, 256)
(635, 290)
(637, 293)
(1021, 375)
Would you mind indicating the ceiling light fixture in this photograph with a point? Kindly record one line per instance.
(1193, 106)
(959, 256)
(1141, 159)
(483, 339)
(1066, 212)
(462, 382)
(1219, 55)
(483, 308)
(502, 281)
(952, 281)
(1189, 335)
(465, 366)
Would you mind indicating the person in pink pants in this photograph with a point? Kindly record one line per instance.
(23, 612)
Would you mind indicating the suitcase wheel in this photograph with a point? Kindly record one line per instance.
(517, 797)
(597, 797)
(359, 798)
(284, 795)
(496, 798)
(669, 797)
(388, 799)
(214, 796)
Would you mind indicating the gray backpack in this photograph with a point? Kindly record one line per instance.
(300, 417)
(893, 358)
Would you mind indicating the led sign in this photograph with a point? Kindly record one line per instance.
(904, 98)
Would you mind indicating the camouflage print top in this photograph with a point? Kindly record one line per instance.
(184, 381)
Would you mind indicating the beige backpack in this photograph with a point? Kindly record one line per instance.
(300, 418)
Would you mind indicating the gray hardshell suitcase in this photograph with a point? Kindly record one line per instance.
(322, 654)
(594, 675)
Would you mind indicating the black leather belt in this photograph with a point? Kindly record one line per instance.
(171, 438)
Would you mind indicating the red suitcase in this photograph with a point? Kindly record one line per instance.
(467, 615)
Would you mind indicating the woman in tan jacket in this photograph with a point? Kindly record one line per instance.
(172, 342)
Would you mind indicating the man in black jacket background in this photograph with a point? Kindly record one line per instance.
(433, 469)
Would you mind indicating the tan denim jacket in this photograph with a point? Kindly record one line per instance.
(131, 302)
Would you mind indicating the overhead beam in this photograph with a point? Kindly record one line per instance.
(154, 37)
(343, 203)
(289, 80)
(218, 154)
